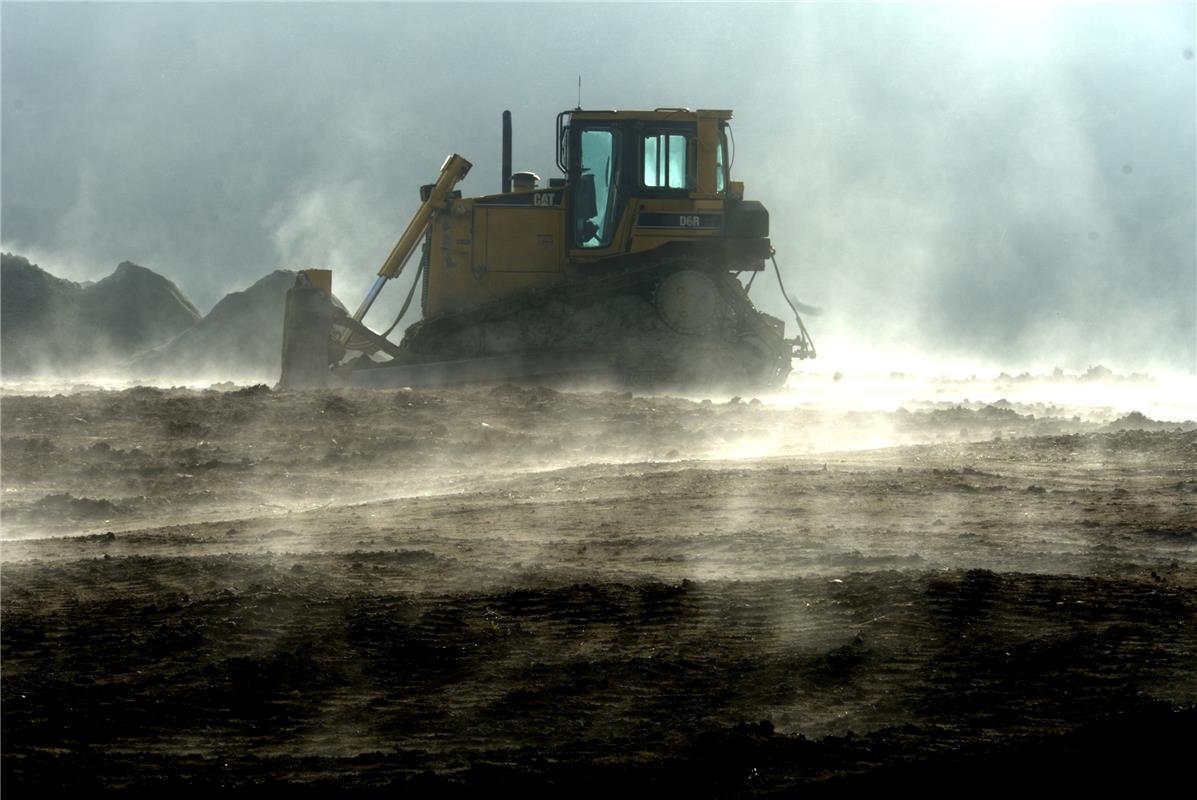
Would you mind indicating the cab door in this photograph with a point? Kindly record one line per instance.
(598, 195)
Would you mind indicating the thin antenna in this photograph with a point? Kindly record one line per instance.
(579, 91)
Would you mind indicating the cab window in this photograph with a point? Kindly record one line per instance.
(667, 161)
(720, 167)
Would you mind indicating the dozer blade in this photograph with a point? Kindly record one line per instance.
(308, 347)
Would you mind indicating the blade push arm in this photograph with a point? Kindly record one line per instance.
(453, 171)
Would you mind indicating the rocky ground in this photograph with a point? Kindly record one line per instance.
(450, 590)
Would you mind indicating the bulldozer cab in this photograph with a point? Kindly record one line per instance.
(627, 170)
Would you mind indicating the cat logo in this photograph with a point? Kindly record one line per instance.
(544, 199)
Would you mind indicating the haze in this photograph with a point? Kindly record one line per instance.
(1010, 184)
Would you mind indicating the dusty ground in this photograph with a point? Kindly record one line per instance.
(457, 589)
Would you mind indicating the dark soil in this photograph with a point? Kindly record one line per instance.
(586, 593)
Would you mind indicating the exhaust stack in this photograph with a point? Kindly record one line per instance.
(506, 152)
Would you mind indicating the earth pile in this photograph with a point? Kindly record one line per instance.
(138, 324)
(49, 325)
(240, 339)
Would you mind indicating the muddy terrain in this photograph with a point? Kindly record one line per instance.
(444, 591)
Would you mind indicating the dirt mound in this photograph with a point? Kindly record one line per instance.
(36, 317)
(136, 308)
(1137, 421)
(49, 325)
(239, 339)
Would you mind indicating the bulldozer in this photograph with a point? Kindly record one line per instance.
(627, 269)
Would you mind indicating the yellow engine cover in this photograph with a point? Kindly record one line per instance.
(492, 248)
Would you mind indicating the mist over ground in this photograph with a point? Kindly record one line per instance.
(1009, 185)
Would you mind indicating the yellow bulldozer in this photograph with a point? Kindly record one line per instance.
(628, 268)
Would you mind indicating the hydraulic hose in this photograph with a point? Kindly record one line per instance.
(807, 348)
(406, 303)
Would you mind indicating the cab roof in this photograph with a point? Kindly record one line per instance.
(656, 115)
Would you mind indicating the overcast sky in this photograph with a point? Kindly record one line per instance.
(1010, 184)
